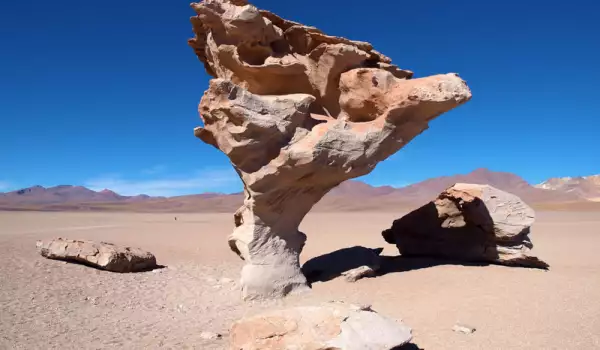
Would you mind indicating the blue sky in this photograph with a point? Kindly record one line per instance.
(105, 93)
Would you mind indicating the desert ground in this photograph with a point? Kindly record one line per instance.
(48, 304)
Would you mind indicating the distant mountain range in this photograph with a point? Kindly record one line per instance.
(349, 196)
(587, 187)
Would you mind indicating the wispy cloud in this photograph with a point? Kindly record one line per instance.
(207, 180)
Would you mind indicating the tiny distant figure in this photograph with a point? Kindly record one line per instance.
(176, 218)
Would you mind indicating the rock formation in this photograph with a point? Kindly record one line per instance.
(105, 256)
(298, 112)
(467, 222)
(330, 326)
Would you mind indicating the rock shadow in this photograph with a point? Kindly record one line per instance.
(393, 264)
(95, 267)
(409, 346)
(329, 266)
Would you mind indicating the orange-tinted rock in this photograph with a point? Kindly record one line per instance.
(329, 326)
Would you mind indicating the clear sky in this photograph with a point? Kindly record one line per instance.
(105, 93)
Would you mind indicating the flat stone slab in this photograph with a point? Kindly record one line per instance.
(104, 256)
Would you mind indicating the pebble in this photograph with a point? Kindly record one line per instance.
(210, 336)
(461, 328)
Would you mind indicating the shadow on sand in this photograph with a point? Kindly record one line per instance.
(95, 267)
(409, 346)
(331, 265)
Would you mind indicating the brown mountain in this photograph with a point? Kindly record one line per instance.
(58, 194)
(360, 189)
(38, 196)
(586, 187)
(426, 190)
(349, 196)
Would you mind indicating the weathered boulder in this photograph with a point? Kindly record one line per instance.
(298, 112)
(467, 222)
(105, 256)
(330, 326)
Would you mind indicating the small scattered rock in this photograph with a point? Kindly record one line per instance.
(461, 328)
(92, 300)
(210, 335)
(361, 307)
(360, 272)
(226, 280)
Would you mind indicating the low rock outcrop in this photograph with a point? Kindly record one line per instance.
(330, 326)
(105, 256)
(467, 222)
(298, 112)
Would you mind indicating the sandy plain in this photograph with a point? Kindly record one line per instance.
(47, 304)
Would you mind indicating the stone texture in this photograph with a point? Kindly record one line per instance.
(105, 256)
(330, 326)
(468, 222)
(298, 112)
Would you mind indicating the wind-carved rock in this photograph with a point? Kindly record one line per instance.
(298, 112)
(469, 223)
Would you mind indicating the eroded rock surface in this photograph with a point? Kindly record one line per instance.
(329, 326)
(298, 112)
(105, 256)
(467, 222)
